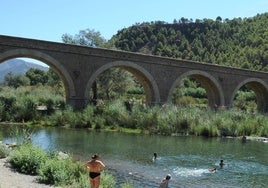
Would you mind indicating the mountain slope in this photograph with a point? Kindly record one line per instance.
(237, 42)
(17, 66)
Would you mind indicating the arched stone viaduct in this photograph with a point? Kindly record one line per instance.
(79, 66)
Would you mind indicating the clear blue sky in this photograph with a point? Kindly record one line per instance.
(50, 19)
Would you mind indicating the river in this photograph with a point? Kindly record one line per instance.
(186, 158)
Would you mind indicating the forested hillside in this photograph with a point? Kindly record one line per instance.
(240, 42)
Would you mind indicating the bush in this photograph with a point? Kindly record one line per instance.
(57, 171)
(107, 181)
(27, 158)
(4, 151)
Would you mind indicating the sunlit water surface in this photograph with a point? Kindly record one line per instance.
(187, 159)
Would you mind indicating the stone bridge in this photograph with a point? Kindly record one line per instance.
(79, 66)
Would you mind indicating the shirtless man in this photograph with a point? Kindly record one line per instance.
(95, 166)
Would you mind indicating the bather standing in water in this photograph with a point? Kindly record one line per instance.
(154, 157)
(221, 163)
(244, 139)
(95, 166)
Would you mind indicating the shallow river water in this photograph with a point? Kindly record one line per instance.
(186, 159)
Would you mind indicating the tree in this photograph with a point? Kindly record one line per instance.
(37, 76)
(16, 80)
(113, 82)
(86, 37)
(53, 78)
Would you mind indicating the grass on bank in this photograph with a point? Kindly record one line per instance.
(20, 106)
(55, 170)
(165, 120)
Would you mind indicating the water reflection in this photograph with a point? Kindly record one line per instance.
(187, 159)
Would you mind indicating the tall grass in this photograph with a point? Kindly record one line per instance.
(166, 120)
(19, 105)
(171, 119)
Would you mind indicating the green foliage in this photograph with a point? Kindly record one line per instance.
(107, 181)
(86, 37)
(51, 169)
(113, 83)
(16, 81)
(33, 77)
(37, 76)
(4, 151)
(27, 158)
(245, 100)
(20, 135)
(166, 120)
(238, 42)
(57, 171)
(20, 105)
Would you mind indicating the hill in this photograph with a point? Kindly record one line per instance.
(17, 66)
(238, 42)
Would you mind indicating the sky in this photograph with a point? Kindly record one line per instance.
(50, 19)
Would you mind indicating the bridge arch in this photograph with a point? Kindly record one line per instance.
(144, 77)
(208, 82)
(260, 89)
(53, 63)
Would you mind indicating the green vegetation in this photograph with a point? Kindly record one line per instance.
(54, 170)
(114, 115)
(236, 43)
(4, 151)
(27, 159)
(21, 104)
(120, 96)
(166, 120)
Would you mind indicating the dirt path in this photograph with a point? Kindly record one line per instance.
(12, 179)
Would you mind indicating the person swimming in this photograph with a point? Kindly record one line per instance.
(213, 169)
(165, 181)
(155, 156)
(221, 163)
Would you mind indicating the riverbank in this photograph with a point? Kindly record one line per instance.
(252, 138)
(11, 178)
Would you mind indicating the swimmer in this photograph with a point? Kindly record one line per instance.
(155, 156)
(165, 181)
(221, 163)
(213, 169)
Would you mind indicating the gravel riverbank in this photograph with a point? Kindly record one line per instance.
(12, 179)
